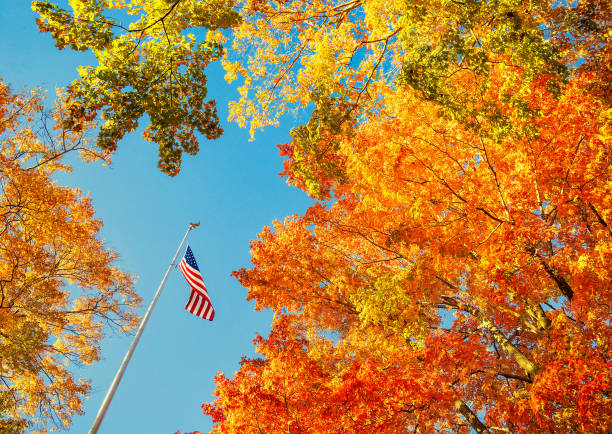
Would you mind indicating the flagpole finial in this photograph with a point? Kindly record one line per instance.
(193, 225)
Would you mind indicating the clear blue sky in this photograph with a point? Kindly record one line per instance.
(232, 187)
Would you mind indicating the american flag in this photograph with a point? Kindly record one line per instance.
(199, 304)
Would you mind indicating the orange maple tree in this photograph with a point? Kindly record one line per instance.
(58, 284)
(483, 267)
(454, 272)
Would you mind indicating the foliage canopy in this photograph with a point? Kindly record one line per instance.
(454, 271)
(58, 284)
(152, 66)
(457, 263)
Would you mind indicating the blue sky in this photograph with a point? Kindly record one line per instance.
(232, 187)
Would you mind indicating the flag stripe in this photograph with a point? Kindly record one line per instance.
(202, 308)
(192, 298)
(211, 314)
(197, 306)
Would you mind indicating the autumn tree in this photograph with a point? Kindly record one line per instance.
(459, 152)
(58, 284)
(488, 262)
(149, 64)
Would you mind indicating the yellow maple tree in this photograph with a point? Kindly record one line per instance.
(58, 284)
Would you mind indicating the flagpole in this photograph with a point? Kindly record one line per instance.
(111, 390)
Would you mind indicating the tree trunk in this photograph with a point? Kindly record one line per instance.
(523, 361)
(486, 323)
(472, 419)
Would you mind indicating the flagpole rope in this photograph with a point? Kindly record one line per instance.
(113, 387)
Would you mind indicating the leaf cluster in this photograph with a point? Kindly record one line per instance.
(151, 67)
